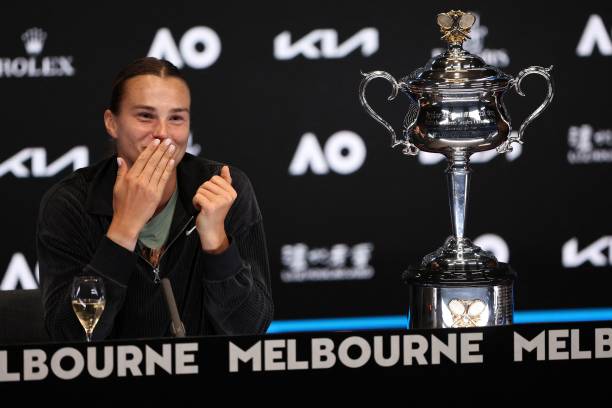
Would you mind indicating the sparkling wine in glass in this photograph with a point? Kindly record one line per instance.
(88, 301)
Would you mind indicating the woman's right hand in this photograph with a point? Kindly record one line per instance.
(138, 191)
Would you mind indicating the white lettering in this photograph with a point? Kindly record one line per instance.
(308, 154)
(5, 375)
(366, 39)
(556, 343)
(364, 352)
(163, 360)
(603, 343)
(438, 347)
(593, 253)
(344, 153)
(34, 367)
(184, 360)
(467, 348)
(128, 358)
(68, 363)
(273, 352)
(210, 53)
(164, 47)
(77, 157)
(394, 353)
(15, 164)
(252, 354)
(521, 343)
(77, 359)
(92, 366)
(19, 274)
(21, 67)
(411, 352)
(578, 354)
(323, 353)
(594, 34)
(292, 361)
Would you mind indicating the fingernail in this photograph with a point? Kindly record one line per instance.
(167, 142)
(119, 161)
(156, 141)
(171, 148)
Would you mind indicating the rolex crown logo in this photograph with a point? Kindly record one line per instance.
(34, 40)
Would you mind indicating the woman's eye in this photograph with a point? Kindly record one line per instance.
(177, 118)
(145, 115)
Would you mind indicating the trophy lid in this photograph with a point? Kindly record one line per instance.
(456, 68)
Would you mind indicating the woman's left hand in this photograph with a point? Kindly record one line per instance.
(214, 198)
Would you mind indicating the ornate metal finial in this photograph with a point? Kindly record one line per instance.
(455, 26)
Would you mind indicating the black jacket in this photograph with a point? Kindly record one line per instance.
(227, 293)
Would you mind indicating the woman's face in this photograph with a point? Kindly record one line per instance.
(151, 108)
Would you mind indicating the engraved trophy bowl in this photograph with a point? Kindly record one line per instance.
(456, 108)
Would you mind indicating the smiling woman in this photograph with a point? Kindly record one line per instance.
(154, 107)
(149, 105)
(129, 219)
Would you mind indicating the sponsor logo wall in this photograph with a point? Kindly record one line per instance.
(274, 92)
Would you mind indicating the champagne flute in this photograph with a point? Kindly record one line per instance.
(88, 301)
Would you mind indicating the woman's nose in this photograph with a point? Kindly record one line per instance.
(161, 130)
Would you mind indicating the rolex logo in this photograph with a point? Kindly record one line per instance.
(35, 63)
(34, 40)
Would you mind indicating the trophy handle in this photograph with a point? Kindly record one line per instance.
(545, 72)
(409, 148)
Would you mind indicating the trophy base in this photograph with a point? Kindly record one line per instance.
(453, 299)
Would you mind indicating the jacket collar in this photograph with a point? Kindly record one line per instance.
(191, 173)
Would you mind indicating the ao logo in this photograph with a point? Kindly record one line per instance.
(19, 275)
(595, 35)
(323, 43)
(343, 153)
(495, 244)
(480, 157)
(187, 52)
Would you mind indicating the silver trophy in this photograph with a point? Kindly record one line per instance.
(456, 108)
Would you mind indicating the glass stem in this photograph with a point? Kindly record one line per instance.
(88, 334)
(458, 177)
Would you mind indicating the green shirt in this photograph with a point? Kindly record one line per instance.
(155, 232)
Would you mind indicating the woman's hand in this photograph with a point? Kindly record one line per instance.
(214, 198)
(138, 191)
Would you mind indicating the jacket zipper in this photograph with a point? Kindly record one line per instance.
(156, 277)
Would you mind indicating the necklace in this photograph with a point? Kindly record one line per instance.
(152, 255)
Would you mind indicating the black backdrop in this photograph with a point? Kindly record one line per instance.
(344, 214)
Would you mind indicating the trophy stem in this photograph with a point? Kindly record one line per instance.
(458, 177)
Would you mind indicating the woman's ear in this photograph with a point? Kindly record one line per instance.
(110, 124)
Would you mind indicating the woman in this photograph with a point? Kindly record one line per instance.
(154, 211)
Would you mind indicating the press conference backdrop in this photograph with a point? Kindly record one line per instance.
(274, 90)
